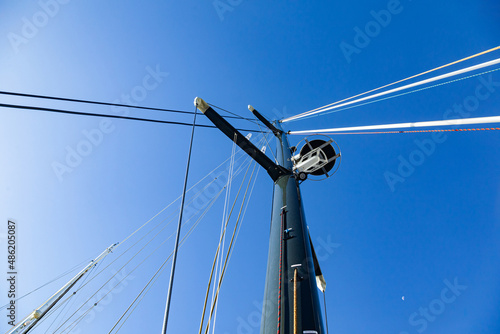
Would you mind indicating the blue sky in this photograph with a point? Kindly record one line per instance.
(379, 242)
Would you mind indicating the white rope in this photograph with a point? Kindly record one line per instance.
(154, 278)
(460, 121)
(218, 266)
(245, 211)
(231, 244)
(406, 79)
(232, 175)
(178, 198)
(184, 223)
(407, 92)
(418, 83)
(165, 208)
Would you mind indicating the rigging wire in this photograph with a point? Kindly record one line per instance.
(235, 115)
(237, 233)
(116, 259)
(121, 243)
(192, 199)
(46, 97)
(62, 304)
(183, 241)
(133, 257)
(160, 269)
(416, 131)
(154, 237)
(391, 84)
(83, 316)
(218, 266)
(165, 208)
(393, 90)
(265, 137)
(246, 207)
(66, 307)
(111, 289)
(77, 321)
(74, 293)
(230, 248)
(405, 93)
(228, 255)
(85, 284)
(176, 245)
(217, 252)
(459, 121)
(81, 113)
(117, 272)
(148, 232)
(326, 313)
(280, 284)
(154, 228)
(58, 305)
(51, 281)
(217, 255)
(184, 238)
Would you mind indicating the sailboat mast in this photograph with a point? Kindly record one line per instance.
(291, 302)
(34, 317)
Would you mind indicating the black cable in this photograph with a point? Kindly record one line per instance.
(326, 314)
(104, 103)
(178, 234)
(109, 116)
(235, 115)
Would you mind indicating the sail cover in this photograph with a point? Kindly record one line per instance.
(320, 280)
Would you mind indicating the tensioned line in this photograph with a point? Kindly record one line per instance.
(406, 93)
(399, 81)
(81, 113)
(112, 104)
(339, 104)
(418, 83)
(415, 131)
(460, 121)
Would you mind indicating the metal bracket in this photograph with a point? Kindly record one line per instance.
(286, 234)
(295, 266)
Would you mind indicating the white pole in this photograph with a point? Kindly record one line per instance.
(28, 322)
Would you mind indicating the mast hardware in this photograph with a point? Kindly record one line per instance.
(306, 309)
(286, 234)
(317, 157)
(296, 267)
(274, 170)
(261, 118)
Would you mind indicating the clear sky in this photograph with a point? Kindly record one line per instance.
(437, 226)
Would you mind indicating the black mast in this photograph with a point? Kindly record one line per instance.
(291, 302)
